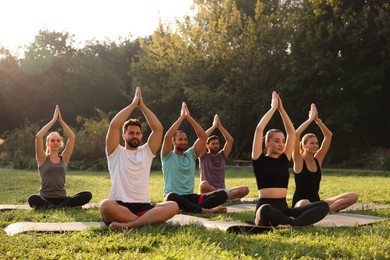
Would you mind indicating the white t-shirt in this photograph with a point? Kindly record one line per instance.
(129, 171)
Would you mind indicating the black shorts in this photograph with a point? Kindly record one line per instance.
(195, 198)
(136, 208)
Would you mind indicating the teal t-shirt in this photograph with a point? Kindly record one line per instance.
(179, 172)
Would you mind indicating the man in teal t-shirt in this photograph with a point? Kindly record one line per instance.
(178, 167)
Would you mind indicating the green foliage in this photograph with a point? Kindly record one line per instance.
(89, 147)
(41, 54)
(335, 59)
(213, 62)
(18, 149)
(54, 72)
(378, 159)
(226, 60)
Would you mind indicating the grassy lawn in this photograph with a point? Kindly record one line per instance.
(190, 242)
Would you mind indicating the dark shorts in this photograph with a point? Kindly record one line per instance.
(194, 198)
(136, 208)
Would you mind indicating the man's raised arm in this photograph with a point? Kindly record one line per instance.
(155, 137)
(227, 148)
(167, 142)
(200, 143)
(113, 134)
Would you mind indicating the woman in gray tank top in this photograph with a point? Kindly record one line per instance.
(52, 168)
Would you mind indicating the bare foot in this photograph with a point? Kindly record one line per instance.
(118, 225)
(219, 209)
(283, 226)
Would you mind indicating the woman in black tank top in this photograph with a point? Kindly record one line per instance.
(52, 168)
(308, 158)
(272, 174)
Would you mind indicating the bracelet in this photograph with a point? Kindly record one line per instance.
(319, 120)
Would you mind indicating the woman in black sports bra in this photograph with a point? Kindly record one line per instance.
(308, 158)
(272, 174)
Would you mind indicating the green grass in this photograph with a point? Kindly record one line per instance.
(190, 242)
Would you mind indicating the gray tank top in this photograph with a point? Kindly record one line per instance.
(52, 179)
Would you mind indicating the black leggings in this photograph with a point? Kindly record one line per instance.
(274, 212)
(79, 199)
(194, 203)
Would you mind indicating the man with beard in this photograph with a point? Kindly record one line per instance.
(128, 204)
(212, 163)
(178, 167)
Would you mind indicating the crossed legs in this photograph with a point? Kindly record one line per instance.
(233, 193)
(77, 200)
(204, 203)
(121, 217)
(342, 201)
(274, 212)
(336, 203)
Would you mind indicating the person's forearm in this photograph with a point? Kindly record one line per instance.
(197, 128)
(45, 129)
(288, 125)
(68, 131)
(152, 119)
(172, 130)
(324, 129)
(122, 116)
(226, 134)
(265, 119)
(210, 130)
(303, 127)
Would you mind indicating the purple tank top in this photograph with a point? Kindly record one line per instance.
(212, 169)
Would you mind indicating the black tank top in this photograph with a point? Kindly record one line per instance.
(271, 172)
(307, 183)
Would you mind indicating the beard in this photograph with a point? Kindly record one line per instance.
(214, 151)
(182, 148)
(133, 143)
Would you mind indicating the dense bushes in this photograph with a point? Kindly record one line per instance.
(90, 141)
(18, 149)
(378, 159)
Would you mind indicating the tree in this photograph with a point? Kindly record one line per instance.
(340, 58)
(220, 61)
(54, 72)
(89, 148)
(8, 73)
